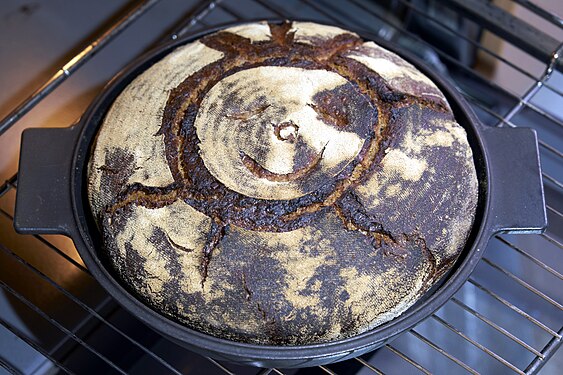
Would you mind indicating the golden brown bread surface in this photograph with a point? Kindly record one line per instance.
(282, 184)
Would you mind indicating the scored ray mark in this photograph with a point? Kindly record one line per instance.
(214, 236)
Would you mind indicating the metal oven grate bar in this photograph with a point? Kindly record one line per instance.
(58, 325)
(327, 370)
(513, 307)
(73, 64)
(21, 335)
(513, 29)
(220, 366)
(552, 240)
(551, 17)
(406, 358)
(51, 246)
(476, 344)
(530, 257)
(368, 365)
(496, 326)
(330, 11)
(523, 283)
(84, 306)
(443, 352)
(475, 44)
(91, 49)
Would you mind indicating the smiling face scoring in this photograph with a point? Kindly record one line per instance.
(270, 132)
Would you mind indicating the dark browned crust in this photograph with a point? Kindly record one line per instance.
(213, 238)
(376, 246)
(194, 183)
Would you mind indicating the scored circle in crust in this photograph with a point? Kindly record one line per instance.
(293, 131)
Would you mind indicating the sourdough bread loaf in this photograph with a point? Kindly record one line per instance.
(281, 184)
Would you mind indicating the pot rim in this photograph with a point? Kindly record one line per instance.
(481, 231)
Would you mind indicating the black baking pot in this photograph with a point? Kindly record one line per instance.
(52, 199)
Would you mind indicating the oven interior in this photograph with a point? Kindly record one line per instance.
(504, 56)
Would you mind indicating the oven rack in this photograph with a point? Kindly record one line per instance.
(507, 318)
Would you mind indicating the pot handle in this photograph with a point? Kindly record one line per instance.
(517, 203)
(43, 197)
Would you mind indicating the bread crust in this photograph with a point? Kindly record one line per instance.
(282, 184)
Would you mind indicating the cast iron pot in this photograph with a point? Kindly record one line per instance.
(52, 199)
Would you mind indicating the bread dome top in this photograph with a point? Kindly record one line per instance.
(281, 184)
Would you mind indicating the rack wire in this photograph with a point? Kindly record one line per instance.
(506, 318)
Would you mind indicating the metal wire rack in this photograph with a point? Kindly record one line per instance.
(507, 318)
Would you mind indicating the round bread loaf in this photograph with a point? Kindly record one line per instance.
(282, 184)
